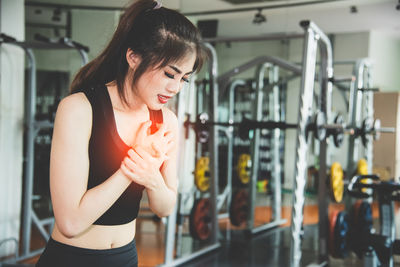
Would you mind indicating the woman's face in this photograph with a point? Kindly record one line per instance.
(156, 86)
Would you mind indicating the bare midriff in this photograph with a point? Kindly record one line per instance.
(99, 236)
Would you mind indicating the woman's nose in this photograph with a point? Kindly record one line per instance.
(174, 87)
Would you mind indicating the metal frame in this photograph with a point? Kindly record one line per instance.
(313, 37)
(271, 64)
(32, 128)
(214, 244)
(358, 98)
(361, 69)
(255, 150)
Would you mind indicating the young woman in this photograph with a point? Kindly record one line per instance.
(113, 138)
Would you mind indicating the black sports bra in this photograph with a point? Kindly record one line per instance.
(106, 152)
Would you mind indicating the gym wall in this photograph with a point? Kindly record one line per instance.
(384, 50)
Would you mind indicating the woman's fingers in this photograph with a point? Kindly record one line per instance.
(140, 152)
(161, 152)
(143, 132)
(127, 171)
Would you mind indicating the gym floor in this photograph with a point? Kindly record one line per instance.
(271, 248)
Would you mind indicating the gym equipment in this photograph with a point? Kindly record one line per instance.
(338, 233)
(362, 167)
(200, 219)
(202, 174)
(360, 108)
(32, 126)
(239, 209)
(361, 226)
(314, 38)
(318, 126)
(375, 249)
(336, 182)
(171, 239)
(244, 168)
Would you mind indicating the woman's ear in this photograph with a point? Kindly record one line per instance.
(132, 58)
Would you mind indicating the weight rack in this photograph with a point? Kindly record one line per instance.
(32, 128)
(313, 37)
(263, 64)
(214, 243)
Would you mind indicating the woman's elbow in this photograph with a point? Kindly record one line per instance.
(164, 213)
(68, 227)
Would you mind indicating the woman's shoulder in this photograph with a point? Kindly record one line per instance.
(75, 105)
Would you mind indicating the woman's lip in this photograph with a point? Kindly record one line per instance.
(163, 99)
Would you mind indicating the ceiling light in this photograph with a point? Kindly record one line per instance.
(259, 18)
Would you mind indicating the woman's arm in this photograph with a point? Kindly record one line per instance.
(162, 199)
(143, 167)
(75, 207)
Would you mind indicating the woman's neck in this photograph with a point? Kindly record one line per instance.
(134, 103)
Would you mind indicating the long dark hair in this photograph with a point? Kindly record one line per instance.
(160, 36)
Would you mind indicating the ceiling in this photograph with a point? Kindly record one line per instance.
(332, 16)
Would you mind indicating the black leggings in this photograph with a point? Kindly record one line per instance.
(57, 254)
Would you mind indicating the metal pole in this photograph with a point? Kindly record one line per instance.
(305, 106)
(369, 112)
(231, 119)
(255, 142)
(326, 74)
(224, 78)
(213, 143)
(276, 166)
(269, 37)
(30, 152)
(355, 116)
(171, 220)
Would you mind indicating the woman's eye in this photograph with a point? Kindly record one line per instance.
(186, 80)
(169, 75)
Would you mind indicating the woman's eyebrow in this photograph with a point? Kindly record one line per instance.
(178, 70)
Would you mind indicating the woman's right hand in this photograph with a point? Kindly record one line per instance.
(156, 147)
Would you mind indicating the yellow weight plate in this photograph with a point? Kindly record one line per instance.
(202, 174)
(244, 168)
(336, 182)
(362, 167)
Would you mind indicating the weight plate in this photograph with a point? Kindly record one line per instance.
(336, 182)
(377, 128)
(202, 174)
(244, 168)
(362, 167)
(338, 234)
(319, 130)
(239, 209)
(366, 129)
(201, 128)
(200, 219)
(338, 134)
(361, 226)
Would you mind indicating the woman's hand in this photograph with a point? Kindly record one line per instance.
(143, 162)
(143, 168)
(158, 144)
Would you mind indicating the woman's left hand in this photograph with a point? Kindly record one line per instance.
(142, 167)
